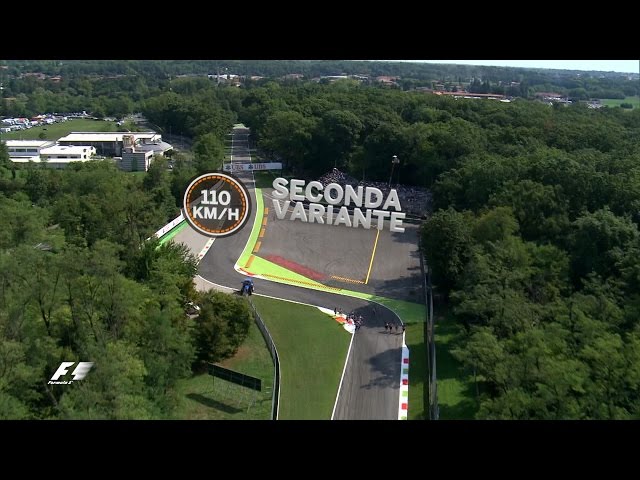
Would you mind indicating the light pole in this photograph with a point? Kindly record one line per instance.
(394, 161)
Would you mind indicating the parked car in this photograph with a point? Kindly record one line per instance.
(192, 308)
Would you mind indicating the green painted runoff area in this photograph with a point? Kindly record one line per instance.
(255, 230)
(173, 232)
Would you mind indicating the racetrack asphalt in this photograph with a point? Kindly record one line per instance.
(345, 257)
(371, 384)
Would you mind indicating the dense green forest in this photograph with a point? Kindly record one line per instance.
(533, 240)
(79, 282)
(534, 237)
(118, 87)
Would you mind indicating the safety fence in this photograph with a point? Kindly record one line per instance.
(429, 333)
(275, 400)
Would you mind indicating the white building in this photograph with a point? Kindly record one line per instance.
(111, 144)
(22, 151)
(132, 151)
(56, 156)
(59, 156)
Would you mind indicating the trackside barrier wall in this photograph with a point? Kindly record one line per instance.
(169, 226)
(275, 400)
(434, 411)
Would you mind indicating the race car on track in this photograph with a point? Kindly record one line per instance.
(247, 287)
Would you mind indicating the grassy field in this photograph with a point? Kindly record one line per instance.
(57, 130)
(199, 400)
(418, 372)
(456, 393)
(615, 102)
(312, 349)
(264, 179)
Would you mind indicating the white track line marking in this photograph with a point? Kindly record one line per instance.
(344, 369)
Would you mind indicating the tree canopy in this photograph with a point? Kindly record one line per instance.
(533, 240)
(79, 281)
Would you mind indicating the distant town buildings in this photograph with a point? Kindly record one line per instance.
(464, 94)
(387, 80)
(552, 97)
(228, 78)
(335, 78)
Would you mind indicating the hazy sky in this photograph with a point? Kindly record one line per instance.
(626, 66)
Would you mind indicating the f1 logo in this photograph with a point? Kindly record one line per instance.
(78, 374)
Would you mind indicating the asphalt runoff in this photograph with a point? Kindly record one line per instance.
(340, 256)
